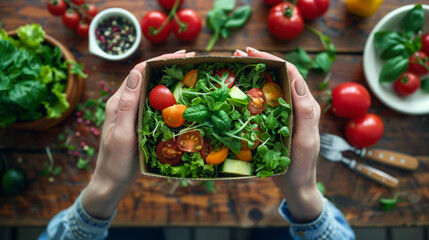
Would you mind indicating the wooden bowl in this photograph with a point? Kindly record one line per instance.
(74, 89)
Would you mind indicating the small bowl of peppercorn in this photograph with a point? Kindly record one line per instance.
(114, 34)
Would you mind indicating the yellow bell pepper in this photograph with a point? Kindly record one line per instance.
(363, 8)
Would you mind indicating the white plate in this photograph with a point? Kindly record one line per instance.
(417, 103)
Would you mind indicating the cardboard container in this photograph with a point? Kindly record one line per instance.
(279, 67)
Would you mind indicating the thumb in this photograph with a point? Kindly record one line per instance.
(128, 104)
(304, 106)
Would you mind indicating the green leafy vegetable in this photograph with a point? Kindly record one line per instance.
(414, 20)
(321, 187)
(198, 113)
(393, 69)
(222, 24)
(388, 204)
(221, 120)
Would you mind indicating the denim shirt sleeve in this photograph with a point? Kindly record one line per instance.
(76, 223)
(331, 224)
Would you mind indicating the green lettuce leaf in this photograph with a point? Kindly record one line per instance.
(31, 35)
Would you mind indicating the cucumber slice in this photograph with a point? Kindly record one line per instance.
(176, 90)
(237, 167)
(236, 93)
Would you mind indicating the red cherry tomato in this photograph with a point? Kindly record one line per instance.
(83, 29)
(425, 43)
(285, 21)
(364, 131)
(193, 25)
(57, 7)
(230, 79)
(153, 20)
(169, 153)
(161, 97)
(267, 78)
(257, 101)
(407, 84)
(350, 100)
(71, 18)
(190, 142)
(206, 150)
(414, 65)
(169, 4)
(91, 11)
(78, 2)
(273, 2)
(311, 9)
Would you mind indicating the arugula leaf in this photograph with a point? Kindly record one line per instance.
(393, 69)
(414, 19)
(174, 72)
(234, 146)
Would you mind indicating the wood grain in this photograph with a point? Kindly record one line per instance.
(237, 204)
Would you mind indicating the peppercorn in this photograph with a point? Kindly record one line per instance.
(115, 35)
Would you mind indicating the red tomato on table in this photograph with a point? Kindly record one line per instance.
(169, 4)
(153, 20)
(285, 21)
(350, 100)
(193, 25)
(311, 9)
(364, 131)
(57, 7)
(71, 18)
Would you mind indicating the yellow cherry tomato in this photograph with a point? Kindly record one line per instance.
(190, 78)
(217, 157)
(272, 91)
(244, 155)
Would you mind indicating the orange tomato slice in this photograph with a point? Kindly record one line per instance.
(190, 78)
(244, 155)
(173, 115)
(217, 157)
(272, 91)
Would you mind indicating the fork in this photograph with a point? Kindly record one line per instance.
(391, 158)
(363, 169)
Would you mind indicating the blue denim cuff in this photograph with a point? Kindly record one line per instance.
(321, 228)
(84, 226)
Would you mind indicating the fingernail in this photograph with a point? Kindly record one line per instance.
(133, 79)
(190, 54)
(181, 51)
(300, 87)
(240, 53)
(250, 49)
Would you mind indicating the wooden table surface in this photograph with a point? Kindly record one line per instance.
(238, 204)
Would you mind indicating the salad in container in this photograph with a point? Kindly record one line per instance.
(215, 118)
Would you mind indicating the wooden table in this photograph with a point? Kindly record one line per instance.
(238, 204)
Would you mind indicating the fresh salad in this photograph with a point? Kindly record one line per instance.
(213, 120)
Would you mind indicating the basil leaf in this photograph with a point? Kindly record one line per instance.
(393, 69)
(198, 113)
(221, 120)
(398, 49)
(220, 94)
(323, 62)
(225, 5)
(414, 19)
(239, 17)
(386, 39)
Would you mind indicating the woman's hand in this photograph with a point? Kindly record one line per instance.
(117, 163)
(298, 185)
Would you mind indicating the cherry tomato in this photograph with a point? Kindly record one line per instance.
(161, 97)
(425, 43)
(272, 92)
(407, 84)
(153, 20)
(71, 18)
(350, 100)
(57, 7)
(230, 79)
(91, 11)
(414, 65)
(273, 2)
(190, 142)
(193, 25)
(257, 101)
(169, 153)
(245, 145)
(364, 131)
(83, 29)
(267, 78)
(169, 4)
(78, 2)
(206, 150)
(173, 115)
(311, 9)
(217, 157)
(244, 155)
(285, 21)
(190, 78)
